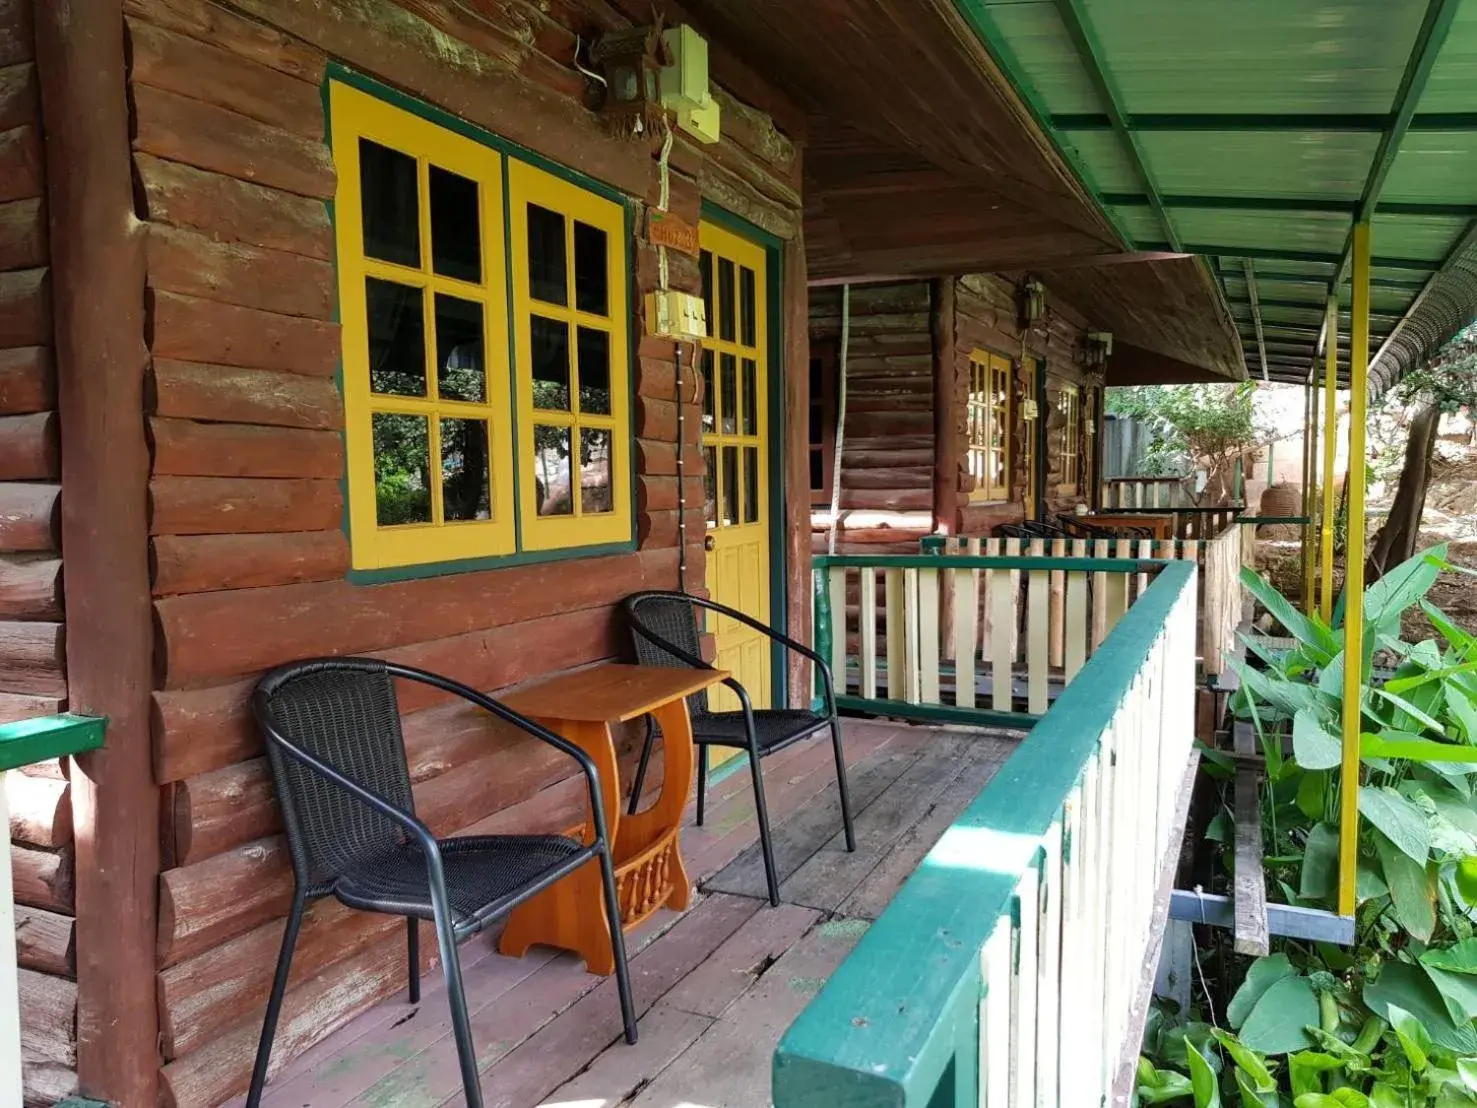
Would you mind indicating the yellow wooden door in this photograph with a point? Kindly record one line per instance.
(735, 445)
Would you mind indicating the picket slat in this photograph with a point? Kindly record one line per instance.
(836, 585)
(1002, 623)
(867, 631)
(894, 626)
(1038, 618)
(926, 635)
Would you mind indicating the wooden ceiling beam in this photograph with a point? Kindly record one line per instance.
(1256, 314)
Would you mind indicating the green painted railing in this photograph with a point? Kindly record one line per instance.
(22, 744)
(1007, 968)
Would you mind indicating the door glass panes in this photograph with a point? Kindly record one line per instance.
(397, 338)
(708, 394)
(402, 464)
(594, 369)
(751, 397)
(710, 484)
(748, 307)
(551, 477)
(591, 275)
(726, 328)
(389, 201)
(705, 271)
(730, 486)
(595, 465)
(728, 391)
(547, 269)
(466, 493)
(456, 231)
(549, 341)
(460, 373)
(751, 484)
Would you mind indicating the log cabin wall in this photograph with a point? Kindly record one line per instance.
(249, 557)
(986, 317)
(32, 661)
(887, 459)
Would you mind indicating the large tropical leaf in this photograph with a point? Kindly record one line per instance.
(1320, 873)
(1263, 974)
(1406, 986)
(1310, 633)
(1402, 822)
(1279, 1020)
(1404, 585)
(1248, 1061)
(1458, 990)
(1412, 892)
(1462, 641)
(1202, 1080)
(1305, 1070)
(1458, 958)
(1284, 694)
(1313, 745)
(1463, 712)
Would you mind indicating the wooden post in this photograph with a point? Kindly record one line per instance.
(97, 252)
(797, 470)
(945, 409)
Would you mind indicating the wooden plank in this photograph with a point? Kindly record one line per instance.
(210, 332)
(620, 1071)
(25, 306)
(247, 38)
(1250, 882)
(224, 394)
(23, 234)
(49, 1030)
(224, 505)
(1058, 607)
(30, 587)
(867, 630)
(46, 941)
(192, 264)
(895, 628)
(996, 1017)
(1076, 624)
(21, 173)
(836, 583)
(1002, 626)
(29, 517)
(40, 810)
(203, 563)
(18, 103)
(27, 380)
(43, 878)
(188, 449)
(928, 634)
(711, 987)
(1038, 630)
(966, 633)
(1100, 549)
(33, 658)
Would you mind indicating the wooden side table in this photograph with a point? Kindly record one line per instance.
(649, 873)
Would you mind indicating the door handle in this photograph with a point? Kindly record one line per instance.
(708, 542)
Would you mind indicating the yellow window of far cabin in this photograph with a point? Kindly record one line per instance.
(451, 453)
(988, 422)
(1069, 403)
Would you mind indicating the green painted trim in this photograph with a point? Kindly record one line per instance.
(978, 561)
(337, 71)
(728, 768)
(1265, 122)
(38, 740)
(820, 587)
(885, 1028)
(729, 221)
(1169, 511)
(491, 561)
(1286, 204)
(939, 713)
(1319, 257)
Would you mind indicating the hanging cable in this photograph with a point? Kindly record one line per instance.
(840, 416)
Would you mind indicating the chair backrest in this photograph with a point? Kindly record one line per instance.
(662, 617)
(342, 712)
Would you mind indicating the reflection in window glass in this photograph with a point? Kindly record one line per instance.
(725, 300)
(596, 494)
(390, 204)
(591, 276)
(817, 470)
(705, 271)
(549, 346)
(710, 484)
(728, 387)
(729, 490)
(465, 489)
(594, 353)
(708, 394)
(751, 484)
(751, 399)
(547, 275)
(402, 463)
(456, 236)
(551, 470)
(459, 370)
(397, 339)
(748, 308)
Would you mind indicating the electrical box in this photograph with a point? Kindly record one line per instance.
(701, 123)
(676, 315)
(684, 83)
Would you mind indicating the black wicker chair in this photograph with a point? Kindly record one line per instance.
(664, 627)
(332, 729)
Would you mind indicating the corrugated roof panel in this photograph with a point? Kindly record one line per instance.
(1300, 231)
(1326, 165)
(1453, 83)
(1141, 224)
(1429, 238)
(1102, 157)
(1434, 167)
(1216, 56)
(1042, 48)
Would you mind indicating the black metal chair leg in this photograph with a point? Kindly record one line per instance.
(456, 997)
(274, 1001)
(640, 782)
(702, 782)
(413, 956)
(841, 785)
(618, 946)
(761, 811)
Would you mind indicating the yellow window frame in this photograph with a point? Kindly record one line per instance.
(1069, 403)
(529, 184)
(355, 115)
(989, 406)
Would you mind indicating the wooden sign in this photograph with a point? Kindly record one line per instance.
(666, 229)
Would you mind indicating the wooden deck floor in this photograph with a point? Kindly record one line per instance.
(715, 986)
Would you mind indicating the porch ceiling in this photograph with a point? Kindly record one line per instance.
(922, 161)
(1255, 134)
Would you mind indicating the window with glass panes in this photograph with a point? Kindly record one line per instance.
(987, 413)
(733, 409)
(450, 456)
(1069, 403)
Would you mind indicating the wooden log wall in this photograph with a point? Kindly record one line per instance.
(248, 557)
(887, 459)
(32, 658)
(986, 317)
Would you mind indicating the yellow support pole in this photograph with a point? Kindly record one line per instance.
(1310, 481)
(1330, 439)
(1354, 575)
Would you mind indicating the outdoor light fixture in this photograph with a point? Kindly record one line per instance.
(1029, 411)
(630, 64)
(1098, 346)
(1032, 301)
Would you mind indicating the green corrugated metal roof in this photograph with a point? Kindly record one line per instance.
(1253, 130)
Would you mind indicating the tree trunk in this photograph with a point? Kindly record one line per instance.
(1397, 538)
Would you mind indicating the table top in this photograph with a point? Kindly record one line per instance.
(610, 692)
